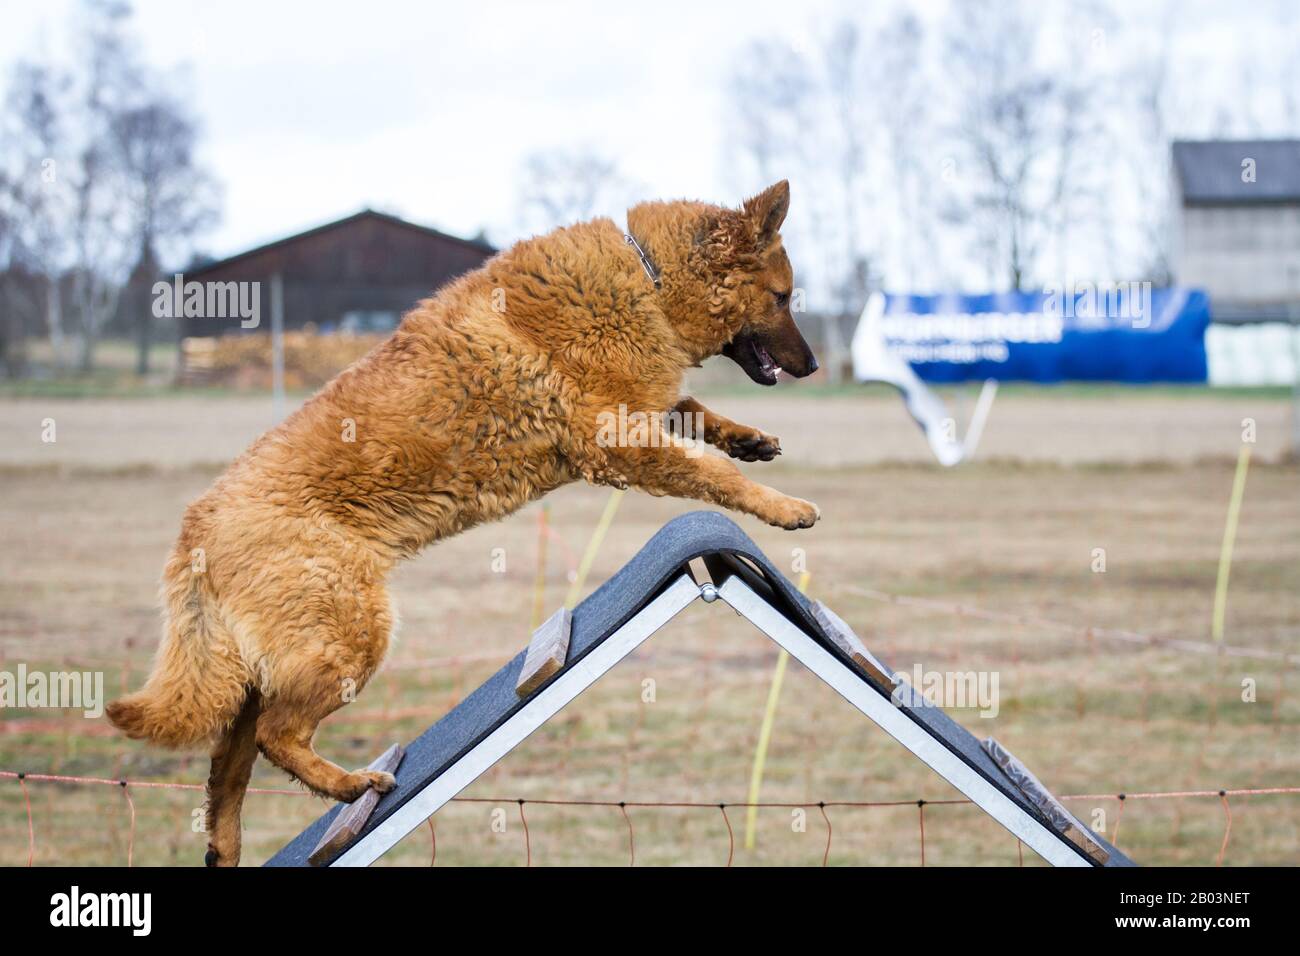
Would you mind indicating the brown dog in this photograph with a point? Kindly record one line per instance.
(486, 397)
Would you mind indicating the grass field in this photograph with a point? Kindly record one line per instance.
(1146, 476)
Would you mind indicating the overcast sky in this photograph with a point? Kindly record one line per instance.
(311, 111)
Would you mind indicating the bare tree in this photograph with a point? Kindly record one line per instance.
(1014, 130)
(903, 99)
(778, 119)
(170, 198)
(1149, 152)
(769, 91)
(12, 338)
(809, 118)
(1019, 127)
(1289, 79)
(36, 196)
(561, 187)
(102, 253)
(103, 176)
(845, 60)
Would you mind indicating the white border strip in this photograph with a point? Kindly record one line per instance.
(541, 708)
(898, 725)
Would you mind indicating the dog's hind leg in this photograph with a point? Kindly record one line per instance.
(328, 642)
(284, 734)
(232, 766)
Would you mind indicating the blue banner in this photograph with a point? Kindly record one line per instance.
(1128, 333)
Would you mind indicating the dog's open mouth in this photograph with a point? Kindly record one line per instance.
(749, 352)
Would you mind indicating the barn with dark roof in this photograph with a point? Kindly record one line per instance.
(357, 274)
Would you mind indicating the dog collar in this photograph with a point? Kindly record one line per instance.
(646, 264)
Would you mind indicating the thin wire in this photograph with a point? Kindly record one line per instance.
(631, 840)
(731, 836)
(683, 804)
(130, 840)
(827, 855)
(528, 843)
(623, 806)
(1227, 830)
(920, 806)
(31, 828)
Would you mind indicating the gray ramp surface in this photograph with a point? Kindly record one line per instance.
(694, 535)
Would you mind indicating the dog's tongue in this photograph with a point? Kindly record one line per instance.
(765, 360)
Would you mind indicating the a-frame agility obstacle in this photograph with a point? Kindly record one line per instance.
(641, 598)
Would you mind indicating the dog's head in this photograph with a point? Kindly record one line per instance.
(727, 281)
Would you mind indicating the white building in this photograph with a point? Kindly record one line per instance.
(1236, 234)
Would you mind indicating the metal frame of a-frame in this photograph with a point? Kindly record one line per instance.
(635, 603)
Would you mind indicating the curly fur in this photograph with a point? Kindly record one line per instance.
(485, 398)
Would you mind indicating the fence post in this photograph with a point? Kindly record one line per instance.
(277, 348)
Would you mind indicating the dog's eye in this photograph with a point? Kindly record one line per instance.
(782, 299)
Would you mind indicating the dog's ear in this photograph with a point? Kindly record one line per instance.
(767, 210)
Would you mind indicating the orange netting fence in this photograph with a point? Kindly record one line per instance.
(624, 806)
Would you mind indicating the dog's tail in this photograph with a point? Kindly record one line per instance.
(198, 682)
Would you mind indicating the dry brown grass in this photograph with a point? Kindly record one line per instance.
(827, 431)
(244, 361)
(84, 540)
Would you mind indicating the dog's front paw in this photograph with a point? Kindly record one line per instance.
(793, 513)
(752, 445)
